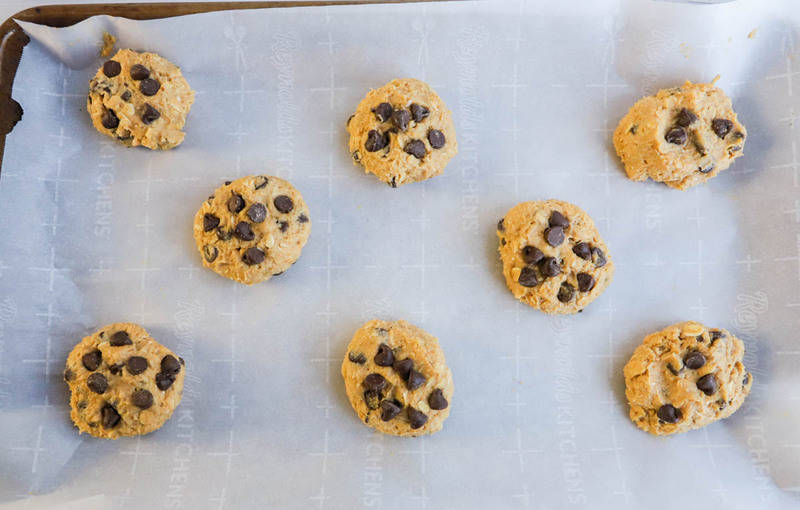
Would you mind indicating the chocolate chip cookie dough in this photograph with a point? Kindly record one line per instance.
(684, 377)
(123, 382)
(397, 379)
(140, 99)
(402, 132)
(681, 136)
(553, 257)
(252, 228)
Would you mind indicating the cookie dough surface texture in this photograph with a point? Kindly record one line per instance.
(396, 378)
(681, 136)
(252, 228)
(684, 377)
(553, 256)
(140, 99)
(402, 132)
(123, 383)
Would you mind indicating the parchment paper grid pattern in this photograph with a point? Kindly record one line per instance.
(92, 233)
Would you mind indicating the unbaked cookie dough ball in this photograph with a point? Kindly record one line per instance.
(140, 99)
(402, 132)
(681, 136)
(684, 377)
(123, 383)
(397, 379)
(252, 229)
(553, 256)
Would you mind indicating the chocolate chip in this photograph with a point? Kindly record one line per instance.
(372, 398)
(416, 418)
(527, 277)
(401, 118)
(415, 379)
(558, 220)
(565, 292)
(585, 282)
(436, 138)
(403, 367)
(228, 182)
(210, 222)
(150, 114)
(109, 416)
(253, 256)
(694, 360)
(746, 379)
(383, 111)
(532, 254)
(416, 148)
(120, 338)
(116, 368)
(210, 253)
(357, 358)
(384, 357)
(149, 86)
(142, 399)
(109, 119)
(164, 381)
(550, 267)
(707, 169)
(244, 232)
(136, 365)
(389, 410)
(436, 400)
(97, 382)
(302, 218)
(261, 181)
(554, 235)
(721, 127)
(419, 112)
(669, 413)
(376, 141)
(599, 257)
(224, 235)
(632, 130)
(139, 72)
(126, 95)
(715, 335)
(672, 369)
(699, 147)
(708, 384)
(501, 225)
(112, 68)
(235, 203)
(685, 117)
(257, 213)
(283, 203)
(69, 375)
(284, 226)
(91, 360)
(676, 135)
(737, 135)
(374, 382)
(583, 250)
(170, 364)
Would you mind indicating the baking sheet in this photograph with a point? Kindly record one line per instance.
(92, 233)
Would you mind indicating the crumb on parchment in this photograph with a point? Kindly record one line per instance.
(108, 44)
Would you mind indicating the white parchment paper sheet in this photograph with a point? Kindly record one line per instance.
(92, 232)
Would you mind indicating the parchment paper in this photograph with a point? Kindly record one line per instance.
(92, 233)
